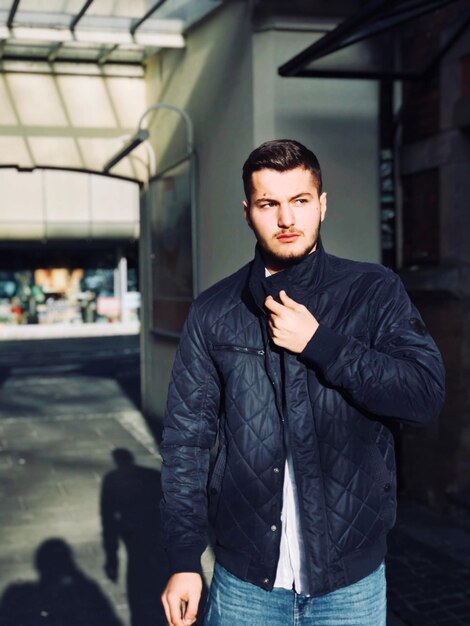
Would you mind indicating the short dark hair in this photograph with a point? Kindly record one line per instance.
(281, 155)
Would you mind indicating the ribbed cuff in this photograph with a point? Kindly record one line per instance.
(323, 347)
(184, 560)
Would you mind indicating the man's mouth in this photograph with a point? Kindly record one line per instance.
(287, 237)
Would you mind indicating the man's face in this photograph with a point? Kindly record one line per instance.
(285, 213)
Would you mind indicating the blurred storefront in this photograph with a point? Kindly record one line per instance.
(68, 248)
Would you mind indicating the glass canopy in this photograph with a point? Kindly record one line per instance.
(95, 31)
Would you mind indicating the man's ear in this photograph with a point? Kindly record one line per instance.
(246, 210)
(323, 206)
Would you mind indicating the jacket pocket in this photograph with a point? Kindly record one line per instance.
(215, 483)
(385, 480)
(239, 349)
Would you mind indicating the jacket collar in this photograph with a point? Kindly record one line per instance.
(299, 280)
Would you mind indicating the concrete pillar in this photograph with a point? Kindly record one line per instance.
(120, 286)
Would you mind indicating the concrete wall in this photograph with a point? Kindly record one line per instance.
(338, 120)
(211, 80)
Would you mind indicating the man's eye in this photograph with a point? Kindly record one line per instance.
(267, 205)
(301, 201)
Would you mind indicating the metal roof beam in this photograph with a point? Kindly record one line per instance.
(135, 141)
(149, 13)
(80, 14)
(7, 56)
(327, 41)
(105, 56)
(13, 10)
(54, 51)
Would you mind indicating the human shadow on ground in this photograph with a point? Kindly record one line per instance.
(62, 596)
(130, 497)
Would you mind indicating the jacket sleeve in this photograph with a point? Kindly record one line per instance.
(190, 428)
(400, 376)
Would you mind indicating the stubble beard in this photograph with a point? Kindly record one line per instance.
(279, 262)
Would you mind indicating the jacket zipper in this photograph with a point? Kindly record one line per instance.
(280, 409)
(323, 500)
(244, 350)
(300, 502)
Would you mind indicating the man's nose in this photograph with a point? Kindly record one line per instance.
(285, 216)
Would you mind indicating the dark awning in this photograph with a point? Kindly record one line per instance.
(364, 45)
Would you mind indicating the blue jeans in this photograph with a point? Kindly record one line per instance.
(234, 602)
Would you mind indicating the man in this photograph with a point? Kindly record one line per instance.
(295, 363)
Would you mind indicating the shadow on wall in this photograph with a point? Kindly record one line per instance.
(62, 596)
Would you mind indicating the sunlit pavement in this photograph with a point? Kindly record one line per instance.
(65, 405)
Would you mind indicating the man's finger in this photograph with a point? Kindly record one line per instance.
(286, 301)
(191, 610)
(183, 589)
(166, 608)
(272, 321)
(273, 306)
(174, 602)
(275, 333)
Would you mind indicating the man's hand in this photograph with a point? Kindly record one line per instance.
(182, 595)
(291, 324)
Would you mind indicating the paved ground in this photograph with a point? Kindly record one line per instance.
(429, 569)
(65, 406)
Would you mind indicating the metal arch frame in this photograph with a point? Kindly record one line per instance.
(181, 112)
(140, 136)
(191, 156)
(374, 19)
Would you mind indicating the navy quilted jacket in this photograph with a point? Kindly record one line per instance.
(370, 360)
